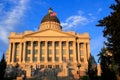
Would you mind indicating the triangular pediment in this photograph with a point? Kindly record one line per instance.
(50, 33)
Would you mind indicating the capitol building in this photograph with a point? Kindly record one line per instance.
(49, 47)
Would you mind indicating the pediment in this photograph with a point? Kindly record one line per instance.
(50, 33)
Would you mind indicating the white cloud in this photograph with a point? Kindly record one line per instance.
(75, 20)
(12, 18)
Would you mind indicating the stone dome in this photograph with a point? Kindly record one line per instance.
(50, 21)
(51, 16)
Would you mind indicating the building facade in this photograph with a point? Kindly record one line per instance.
(49, 47)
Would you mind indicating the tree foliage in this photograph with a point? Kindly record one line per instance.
(2, 67)
(92, 68)
(111, 31)
(107, 70)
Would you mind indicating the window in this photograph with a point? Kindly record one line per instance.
(49, 66)
(49, 58)
(35, 43)
(28, 51)
(56, 58)
(49, 43)
(81, 45)
(17, 45)
(56, 44)
(64, 51)
(63, 44)
(64, 59)
(71, 58)
(35, 59)
(42, 59)
(56, 66)
(70, 51)
(56, 51)
(28, 43)
(42, 51)
(70, 43)
(81, 52)
(41, 66)
(28, 59)
(42, 44)
(35, 51)
(49, 51)
(17, 52)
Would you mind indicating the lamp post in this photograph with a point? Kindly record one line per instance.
(79, 65)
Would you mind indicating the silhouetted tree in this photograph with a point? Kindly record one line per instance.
(106, 61)
(92, 68)
(111, 31)
(2, 67)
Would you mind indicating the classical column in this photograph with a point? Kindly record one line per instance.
(67, 50)
(53, 51)
(38, 52)
(24, 52)
(31, 56)
(88, 50)
(60, 46)
(13, 52)
(74, 51)
(78, 46)
(46, 51)
(20, 52)
(85, 52)
(10, 52)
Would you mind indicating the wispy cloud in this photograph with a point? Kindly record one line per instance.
(11, 18)
(75, 20)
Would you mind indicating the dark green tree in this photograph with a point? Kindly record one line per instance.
(2, 67)
(111, 31)
(92, 68)
(107, 70)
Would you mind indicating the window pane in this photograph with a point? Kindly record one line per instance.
(56, 66)
(56, 44)
(57, 59)
(35, 43)
(28, 43)
(71, 58)
(41, 66)
(64, 59)
(81, 52)
(56, 51)
(42, 44)
(71, 44)
(34, 58)
(42, 59)
(28, 59)
(35, 51)
(49, 58)
(42, 51)
(71, 51)
(63, 44)
(49, 43)
(64, 51)
(28, 51)
(49, 51)
(49, 66)
(81, 45)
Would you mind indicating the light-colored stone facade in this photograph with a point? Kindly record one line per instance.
(49, 47)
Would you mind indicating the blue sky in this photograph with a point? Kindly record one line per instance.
(75, 15)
